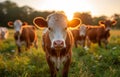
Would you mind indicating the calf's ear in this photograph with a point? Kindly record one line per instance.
(10, 24)
(114, 22)
(40, 22)
(101, 22)
(74, 23)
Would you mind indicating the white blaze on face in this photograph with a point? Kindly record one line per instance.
(17, 25)
(83, 30)
(57, 25)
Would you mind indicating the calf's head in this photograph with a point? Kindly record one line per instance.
(83, 30)
(57, 25)
(108, 24)
(17, 24)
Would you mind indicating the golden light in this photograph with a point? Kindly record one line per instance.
(68, 6)
(72, 6)
(69, 14)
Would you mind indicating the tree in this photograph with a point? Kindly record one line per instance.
(97, 19)
(85, 17)
(117, 18)
(6, 12)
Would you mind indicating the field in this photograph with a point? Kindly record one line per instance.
(95, 62)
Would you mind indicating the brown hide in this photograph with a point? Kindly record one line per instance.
(78, 38)
(50, 52)
(28, 35)
(96, 34)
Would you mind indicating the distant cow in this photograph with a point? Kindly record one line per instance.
(57, 41)
(3, 33)
(79, 35)
(98, 34)
(24, 34)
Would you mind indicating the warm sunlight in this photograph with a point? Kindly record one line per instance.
(76, 6)
(68, 6)
(95, 7)
(69, 14)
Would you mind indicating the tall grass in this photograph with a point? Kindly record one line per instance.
(96, 62)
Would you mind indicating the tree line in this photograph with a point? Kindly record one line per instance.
(10, 11)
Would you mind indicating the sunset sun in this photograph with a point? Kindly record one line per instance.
(70, 7)
(69, 14)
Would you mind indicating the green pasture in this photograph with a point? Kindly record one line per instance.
(95, 62)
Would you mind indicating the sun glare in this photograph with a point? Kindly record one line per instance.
(68, 6)
(69, 14)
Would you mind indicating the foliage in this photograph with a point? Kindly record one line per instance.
(9, 11)
(85, 17)
(97, 19)
(117, 18)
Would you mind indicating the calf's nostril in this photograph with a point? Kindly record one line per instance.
(55, 43)
(58, 42)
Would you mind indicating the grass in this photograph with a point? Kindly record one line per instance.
(96, 62)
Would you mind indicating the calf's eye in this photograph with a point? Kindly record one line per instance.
(50, 28)
(65, 28)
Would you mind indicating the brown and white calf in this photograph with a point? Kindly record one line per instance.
(24, 34)
(79, 35)
(57, 41)
(3, 33)
(98, 34)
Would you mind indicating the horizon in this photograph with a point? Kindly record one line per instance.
(96, 8)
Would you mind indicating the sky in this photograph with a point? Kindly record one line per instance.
(95, 7)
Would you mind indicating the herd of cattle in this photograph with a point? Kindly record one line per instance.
(58, 38)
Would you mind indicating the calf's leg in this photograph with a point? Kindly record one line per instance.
(36, 44)
(19, 49)
(53, 70)
(66, 67)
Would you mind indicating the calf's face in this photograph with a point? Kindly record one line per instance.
(57, 25)
(108, 24)
(82, 30)
(17, 24)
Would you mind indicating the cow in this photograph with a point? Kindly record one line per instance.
(79, 35)
(101, 33)
(57, 41)
(24, 34)
(3, 33)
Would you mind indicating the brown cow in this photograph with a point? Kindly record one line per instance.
(79, 35)
(24, 34)
(98, 34)
(57, 41)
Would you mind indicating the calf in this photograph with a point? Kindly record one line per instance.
(3, 33)
(79, 35)
(57, 41)
(24, 34)
(98, 34)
